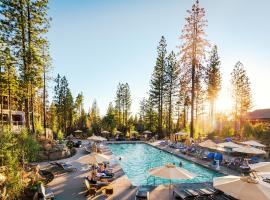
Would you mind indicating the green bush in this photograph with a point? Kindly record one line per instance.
(60, 135)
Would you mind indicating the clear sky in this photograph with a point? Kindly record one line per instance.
(99, 43)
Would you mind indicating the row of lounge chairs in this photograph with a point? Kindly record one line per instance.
(237, 163)
(186, 193)
(205, 193)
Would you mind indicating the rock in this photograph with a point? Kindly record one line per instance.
(47, 146)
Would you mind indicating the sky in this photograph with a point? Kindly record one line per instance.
(98, 43)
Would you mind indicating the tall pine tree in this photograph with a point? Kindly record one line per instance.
(158, 82)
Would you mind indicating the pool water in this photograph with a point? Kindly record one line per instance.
(138, 158)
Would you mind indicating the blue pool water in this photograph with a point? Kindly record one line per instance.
(137, 159)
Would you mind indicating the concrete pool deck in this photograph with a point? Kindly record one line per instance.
(71, 185)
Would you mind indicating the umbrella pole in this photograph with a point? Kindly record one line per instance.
(170, 189)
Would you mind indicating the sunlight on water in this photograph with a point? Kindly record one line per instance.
(137, 159)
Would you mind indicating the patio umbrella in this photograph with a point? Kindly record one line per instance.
(105, 132)
(78, 131)
(249, 150)
(260, 167)
(181, 133)
(147, 132)
(102, 138)
(253, 143)
(208, 144)
(95, 138)
(170, 171)
(118, 132)
(243, 188)
(229, 145)
(99, 158)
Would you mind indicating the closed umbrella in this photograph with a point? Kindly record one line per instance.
(243, 188)
(260, 167)
(170, 171)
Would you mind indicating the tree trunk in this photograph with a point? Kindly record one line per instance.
(25, 66)
(1, 98)
(192, 99)
(30, 65)
(44, 100)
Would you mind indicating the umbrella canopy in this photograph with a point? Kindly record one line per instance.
(96, 138)
(147, 132)
(208, 144)
(78, 131)
(243, 188)
(99, 158)
(118, 132)
(253, 143)
(181, 133)
(170, 171)
(229, 145)
(260, 167)
(249, 150)
(105, 132)
(102, 138)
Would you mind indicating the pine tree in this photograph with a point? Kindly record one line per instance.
(109, 121)
(94, 117)
(157, 85)
(126, 103)
(171, 87)
(213, 80)
(64, 104)
(241, 93)
(24, 24)
(122, 104)
(193, 49)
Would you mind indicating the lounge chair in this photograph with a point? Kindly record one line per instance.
(66, 167)
(143, 192)
(45, 193)
(94, 190)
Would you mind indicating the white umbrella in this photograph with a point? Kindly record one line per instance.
(181, 133)
(260, 167)
(102, 138)
(105, 132)
(243, 188)
(208, 144)
(229, 145)
(170, 171)
(249, 150)
(95, 138)
(99, 158)
(253, 143)
(147, 132)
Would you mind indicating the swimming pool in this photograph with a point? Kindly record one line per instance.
(138, 158)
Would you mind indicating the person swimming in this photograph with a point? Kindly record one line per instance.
(180, 164)
(120, 158)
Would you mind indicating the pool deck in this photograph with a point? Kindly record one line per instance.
(71, 185)
(176, 152)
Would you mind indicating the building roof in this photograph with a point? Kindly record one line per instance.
(259, 114)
